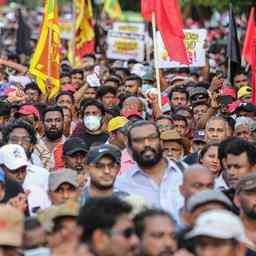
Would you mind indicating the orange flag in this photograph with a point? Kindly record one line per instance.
(84, 36)
(45, 63)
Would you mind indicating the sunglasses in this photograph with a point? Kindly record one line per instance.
(127, 233)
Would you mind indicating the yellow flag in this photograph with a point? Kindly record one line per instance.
(113, 9)
(84, 36)
(45, 63)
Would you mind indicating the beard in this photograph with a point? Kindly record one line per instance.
(53, 135)
(100, 186)
(144, 160)
(250, 212)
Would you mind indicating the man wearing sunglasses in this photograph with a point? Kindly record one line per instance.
(107, 227)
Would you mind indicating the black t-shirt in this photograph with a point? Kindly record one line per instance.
(12, 189)
(191, 158)
(89, 139)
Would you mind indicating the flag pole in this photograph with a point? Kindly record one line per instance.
(73, 39)
(156, 59)
(49, 69)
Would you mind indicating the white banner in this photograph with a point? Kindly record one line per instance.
(125, 46)
(129, 27)
(194, 41)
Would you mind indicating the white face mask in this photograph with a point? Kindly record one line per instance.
(92, 123)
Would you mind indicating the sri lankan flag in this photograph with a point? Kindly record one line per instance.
(45, 62)
(84, 36)
(113, 9)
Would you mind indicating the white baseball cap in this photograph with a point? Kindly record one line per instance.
(220, 224)
(13, 156)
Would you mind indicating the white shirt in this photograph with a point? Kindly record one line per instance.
(164, 196)
(36, 176)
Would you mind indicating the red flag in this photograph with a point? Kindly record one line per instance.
(170, 25)
(249, 50)
(147, 7)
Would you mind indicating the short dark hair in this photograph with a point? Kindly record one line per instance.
(32, 86)
(134, 78)
(180, 89)
(237, 146)
(53, 109)
(180, 118)
(65, 93)
(101, 213)
(206, 148)
(139, 219)
(19, 123)
(103, 90)
(92, 102)
(140, 123)
(31, 223)
(77, 71)
(65, 74)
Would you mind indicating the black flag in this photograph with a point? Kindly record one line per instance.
(233, 48)
(23, 35)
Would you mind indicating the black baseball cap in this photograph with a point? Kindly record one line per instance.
(97, 152)
(74, 145)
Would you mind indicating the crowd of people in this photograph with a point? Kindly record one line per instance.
(105, 169)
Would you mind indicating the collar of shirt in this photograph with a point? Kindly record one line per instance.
(171, 167)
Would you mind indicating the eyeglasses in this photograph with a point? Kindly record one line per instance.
(127, 233)
(102, 166)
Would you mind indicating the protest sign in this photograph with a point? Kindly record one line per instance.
(125, 46)
(194, 41)
(129, 27)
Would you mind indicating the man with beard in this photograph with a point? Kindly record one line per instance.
(103, 166)
(74, 157)
(153, 177)
(157, 232)
(53, 121)
(245, 200)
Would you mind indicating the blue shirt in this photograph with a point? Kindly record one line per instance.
(165, 196)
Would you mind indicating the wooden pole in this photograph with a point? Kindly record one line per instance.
(156, 60)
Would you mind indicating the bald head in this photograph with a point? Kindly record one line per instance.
(196, 178)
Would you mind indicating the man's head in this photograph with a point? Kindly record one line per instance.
(133, 84)
(14, 162)
(198, 140)
(174, 146)
(63, 186)
(117, 128)
(107, 95)
(218, 232)
(65, 99)
(178, 97)
(198, 95)
(200, 111)
(133, 104)
(245, 198)
(74, 154)
(107, 227)
(204, 201)
(239, 160)
(164, 123)
(103, 166)
(145, 144)
(181, 124)
(34, 235)
(77, 78)
(65, 78)
(22, 133)
(157, 232)
(196, 179)
(93, 114)
(243, 128)
(30, 114)
(53, 121)
(216, 129)
(32, 92)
